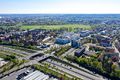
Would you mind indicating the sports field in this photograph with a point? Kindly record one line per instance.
(70, 27)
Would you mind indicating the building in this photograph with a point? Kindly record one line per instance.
(113, 56)
(101, 48)
(84, 33)
(105, 44)
(68, 37)
(2, 62)
(110, 49)
(62, 41)
(89, 53)
(104, 32)
(36, 75)
(79, 52)
(104, 41)
(75, 43)
(96, 48)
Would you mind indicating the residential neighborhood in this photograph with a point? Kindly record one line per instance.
(59, 39)
(62, 53)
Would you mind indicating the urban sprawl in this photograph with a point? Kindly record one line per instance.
(60, 47)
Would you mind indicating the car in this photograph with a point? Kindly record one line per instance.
(70, 68)
(27, 72)
(21, 75)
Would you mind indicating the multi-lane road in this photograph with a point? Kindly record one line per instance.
(71, 70)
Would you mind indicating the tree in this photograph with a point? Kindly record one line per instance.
(113, 67)
(116, 73)
(99, 67)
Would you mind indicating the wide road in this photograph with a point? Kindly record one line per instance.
(31, 62)
(13, 50)
(74, 71)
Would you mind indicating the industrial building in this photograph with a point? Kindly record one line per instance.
(36, 75)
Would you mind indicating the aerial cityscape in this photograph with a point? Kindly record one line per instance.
(58, 40)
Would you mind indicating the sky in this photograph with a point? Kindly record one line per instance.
(59, 6)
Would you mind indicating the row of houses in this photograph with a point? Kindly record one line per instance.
(28, 37)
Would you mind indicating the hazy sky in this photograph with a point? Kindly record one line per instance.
(60, 6)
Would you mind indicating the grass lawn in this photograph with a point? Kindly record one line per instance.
(70, 27)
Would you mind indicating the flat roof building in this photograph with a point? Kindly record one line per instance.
(36, 75)
(2, 62)
(79, 52)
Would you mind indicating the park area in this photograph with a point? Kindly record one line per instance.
(69, 27)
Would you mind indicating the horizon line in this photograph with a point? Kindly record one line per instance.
(59, 13)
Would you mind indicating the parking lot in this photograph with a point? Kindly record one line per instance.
(14, 75)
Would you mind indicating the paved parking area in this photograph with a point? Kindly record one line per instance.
(13, 75)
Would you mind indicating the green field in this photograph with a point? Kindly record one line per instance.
(69, 27)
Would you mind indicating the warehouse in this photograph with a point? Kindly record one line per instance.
(36, 75)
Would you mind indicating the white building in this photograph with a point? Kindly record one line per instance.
(2, 62)
(36, 75)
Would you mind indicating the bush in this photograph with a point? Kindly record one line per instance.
(62, 50)
(46, 70)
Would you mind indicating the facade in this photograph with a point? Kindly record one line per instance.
(79, 52)
(62, 41)
(84, 33)
(110, 49)
(104, 32)
(109, 56)
(68, 37)
(75, 43)
(113, 56)
(104, 41)
(105, 44)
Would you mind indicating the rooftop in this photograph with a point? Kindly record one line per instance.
(36, 75)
